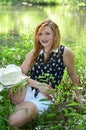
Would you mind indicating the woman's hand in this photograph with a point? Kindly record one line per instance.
(44, 88)
(47, 90)
(79, 99)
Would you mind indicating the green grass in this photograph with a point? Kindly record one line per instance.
(64, 113)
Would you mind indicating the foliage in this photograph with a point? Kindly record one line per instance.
(43, 2)
(64, 113)
(14, 49)
(5, 108)
(28, 2)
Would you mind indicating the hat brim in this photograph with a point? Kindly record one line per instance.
(23, 80)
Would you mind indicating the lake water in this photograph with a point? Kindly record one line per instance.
(23, 20)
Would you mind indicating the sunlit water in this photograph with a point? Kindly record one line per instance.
(23, 20)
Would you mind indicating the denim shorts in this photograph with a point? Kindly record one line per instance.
(40, 100)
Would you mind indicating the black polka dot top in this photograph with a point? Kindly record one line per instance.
(50, 72)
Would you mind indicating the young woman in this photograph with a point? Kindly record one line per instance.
(45, 65)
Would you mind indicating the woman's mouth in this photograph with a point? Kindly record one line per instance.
(44, 41)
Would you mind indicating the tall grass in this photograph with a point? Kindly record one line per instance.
(64, 113)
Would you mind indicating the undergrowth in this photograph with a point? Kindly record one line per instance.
(64, 113)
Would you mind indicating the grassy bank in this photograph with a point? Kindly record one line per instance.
(64, 113)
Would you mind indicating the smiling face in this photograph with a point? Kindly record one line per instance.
(45, 37)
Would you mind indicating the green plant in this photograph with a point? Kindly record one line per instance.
(64, 113)
(14, 49)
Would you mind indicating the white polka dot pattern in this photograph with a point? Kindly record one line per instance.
(50, 72)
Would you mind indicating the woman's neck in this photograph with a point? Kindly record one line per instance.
(46, 51)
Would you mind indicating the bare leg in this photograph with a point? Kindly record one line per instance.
(25, 112)
(18, 96)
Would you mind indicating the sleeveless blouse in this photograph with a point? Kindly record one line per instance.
(51, 71)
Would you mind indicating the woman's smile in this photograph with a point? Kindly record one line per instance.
(46, 37)
(44, 41)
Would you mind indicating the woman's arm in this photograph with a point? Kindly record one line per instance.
(68, 59)
(43, 88)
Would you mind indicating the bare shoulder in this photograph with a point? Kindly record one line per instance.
(67, 51)
(68, 56)
(30, 54)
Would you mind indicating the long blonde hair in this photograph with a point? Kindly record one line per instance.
(37, 44)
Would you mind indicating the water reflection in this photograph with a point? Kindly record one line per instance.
(20, 19)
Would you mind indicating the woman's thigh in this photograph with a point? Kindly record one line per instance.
(24, 112)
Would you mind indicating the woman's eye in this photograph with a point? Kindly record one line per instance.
(48, 33)
(40, 34)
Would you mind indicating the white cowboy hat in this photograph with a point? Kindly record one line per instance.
(11, 75)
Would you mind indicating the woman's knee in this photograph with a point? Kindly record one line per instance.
(24, 113)
(13, 121)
